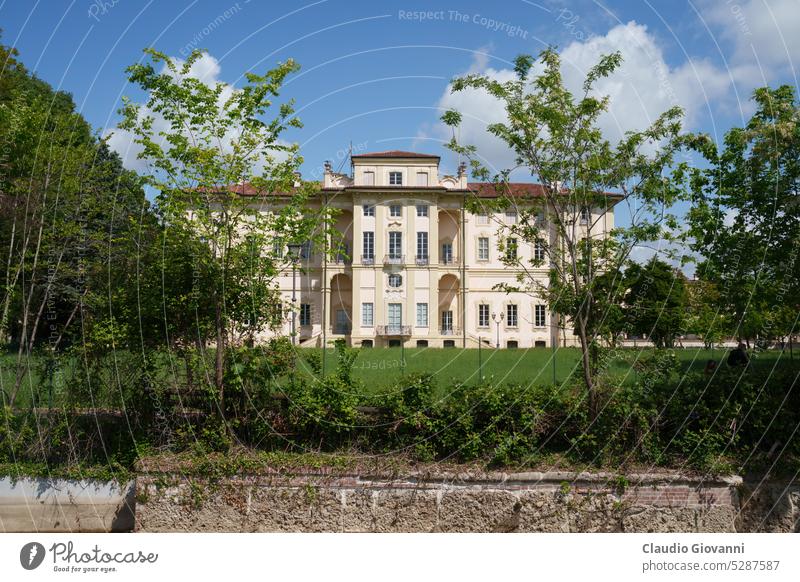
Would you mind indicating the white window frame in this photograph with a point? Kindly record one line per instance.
(369, 178)
(483, 249)
(422, 211)
(539, 315)
(585, 215)
(422, 315)
(422, 178)
(367, 314)
(512, 315)
(538, 251)
(395, 277)
(368, 244)
(511, 216)
(483, 315)
(395, 211)
(422, 244)
(483, 218)
(369, 209)
(395, 178)
(395, 244)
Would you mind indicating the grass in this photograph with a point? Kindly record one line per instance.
(381, 367)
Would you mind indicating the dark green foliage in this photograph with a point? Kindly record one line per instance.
(656, 301)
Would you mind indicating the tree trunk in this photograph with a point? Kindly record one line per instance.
(588, 378)
(219, 359)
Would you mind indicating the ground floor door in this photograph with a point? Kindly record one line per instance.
(342, 325)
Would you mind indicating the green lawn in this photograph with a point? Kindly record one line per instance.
(382, 367)
(379, 368)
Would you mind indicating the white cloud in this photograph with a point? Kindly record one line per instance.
(765, 35)
(640, 90)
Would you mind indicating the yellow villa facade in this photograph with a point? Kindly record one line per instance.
(417, 268)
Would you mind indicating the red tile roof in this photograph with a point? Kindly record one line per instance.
(520, 189)
(481, 189)
(395, 154)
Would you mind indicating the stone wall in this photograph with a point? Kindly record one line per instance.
(496, 502)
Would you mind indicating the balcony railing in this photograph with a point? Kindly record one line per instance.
(394, 260)
(342, 260)
(393, 330)
(448, 260)
(449, 330)
(422, 259)
(367, 259)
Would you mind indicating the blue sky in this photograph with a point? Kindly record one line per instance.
(375, 74)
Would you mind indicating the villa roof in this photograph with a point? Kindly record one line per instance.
(395, 154)
(480, 189)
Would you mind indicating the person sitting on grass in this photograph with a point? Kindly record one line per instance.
(738, 356)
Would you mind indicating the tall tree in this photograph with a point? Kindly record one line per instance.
(208, 142)
(555, 138)
(656, 301)
(745, 220)
(66, 208)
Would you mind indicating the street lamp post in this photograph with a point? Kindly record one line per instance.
(497, 320)
(294, 256)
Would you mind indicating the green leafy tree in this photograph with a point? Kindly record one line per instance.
(745, 218)
(656, 301)
(202, 142)
(705, 317)
(555, 138)
(67, 207)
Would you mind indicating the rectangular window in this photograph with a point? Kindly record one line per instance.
(447, 254)
(368, 252)
(538, 250)
(422, 210)
(447, 322)
(395, 244)
(395, 211)
(395, 178)
(422, 315)
(511, 315)
(367, 314)
(395, 316)
(511, 216)
(305, 314)
(422, 246)
(483, 248)
(369, 178)
(483, 315)
(277, 248)
(369, 210)
(539, 316)
(584, 215)
(511, 249)
(305, 250)
(422, 178)
(483, 218)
